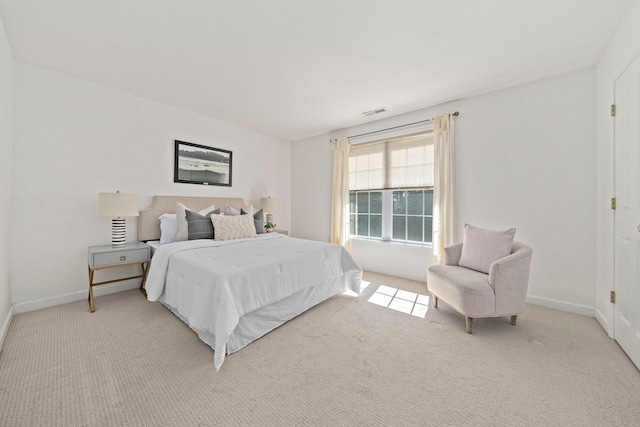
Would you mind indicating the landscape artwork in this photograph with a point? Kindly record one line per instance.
(199, 164)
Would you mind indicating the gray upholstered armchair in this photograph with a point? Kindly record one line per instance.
(501, 292)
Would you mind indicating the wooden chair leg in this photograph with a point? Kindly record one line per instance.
(513, 320)
(435, 301)
(469, 324)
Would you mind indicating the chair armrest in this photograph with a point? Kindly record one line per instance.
(452, 254)
(509, 278)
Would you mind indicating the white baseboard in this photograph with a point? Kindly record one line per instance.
(76, 296)
(562, 306)
(604, 322)
(4, 327)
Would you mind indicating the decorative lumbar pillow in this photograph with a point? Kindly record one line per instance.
(200, 226)
(258, 220)
(233, 227)
(183, 227)
(168, 228)
(481, 247)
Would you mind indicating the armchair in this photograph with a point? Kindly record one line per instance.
(475, 294)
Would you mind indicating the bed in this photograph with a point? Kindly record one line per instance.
(232, 292)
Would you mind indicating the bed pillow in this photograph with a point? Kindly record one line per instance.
(250, 210)
(200, 226)
(231, 211)
(481, 247)
(258, 220)
(183, 227)
(168, 228)
(233, 227)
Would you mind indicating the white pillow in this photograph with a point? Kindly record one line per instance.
(182, 233)
(230, 211)
(481, 247)
(249, 210)
(168, 228)
(233, 227)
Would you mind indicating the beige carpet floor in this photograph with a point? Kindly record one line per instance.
(346, 362)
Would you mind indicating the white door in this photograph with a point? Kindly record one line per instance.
(627, 213)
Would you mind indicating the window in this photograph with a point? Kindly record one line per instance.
(365, 210)
(412, 215)
(391, 189)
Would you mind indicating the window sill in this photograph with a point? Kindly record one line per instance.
(391, 242)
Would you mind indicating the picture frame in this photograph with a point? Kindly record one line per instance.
(199, 164)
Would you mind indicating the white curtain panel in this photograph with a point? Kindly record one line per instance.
(340, 192)
(444, 208)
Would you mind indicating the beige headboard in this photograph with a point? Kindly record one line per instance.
(149, 224)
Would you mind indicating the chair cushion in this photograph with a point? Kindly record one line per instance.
(482, 247)
(468, 291)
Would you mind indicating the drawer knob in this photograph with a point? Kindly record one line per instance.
(123, 258)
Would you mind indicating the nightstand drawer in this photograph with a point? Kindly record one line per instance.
(119, 257)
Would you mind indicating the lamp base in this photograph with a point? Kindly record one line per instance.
(118, 232)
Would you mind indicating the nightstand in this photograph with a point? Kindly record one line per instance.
(105, 256)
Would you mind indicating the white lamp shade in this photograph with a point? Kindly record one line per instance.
(269, 204)
(117, 205)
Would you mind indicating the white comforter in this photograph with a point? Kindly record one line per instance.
(212, 284)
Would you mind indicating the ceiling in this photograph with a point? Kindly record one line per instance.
(296, 69)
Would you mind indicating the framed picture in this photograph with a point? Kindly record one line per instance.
(198, 164)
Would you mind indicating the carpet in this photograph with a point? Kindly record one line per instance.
(345, 362)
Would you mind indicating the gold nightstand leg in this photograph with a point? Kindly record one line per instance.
(91, 307)
(145, 269)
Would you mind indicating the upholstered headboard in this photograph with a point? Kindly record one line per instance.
(149, 224)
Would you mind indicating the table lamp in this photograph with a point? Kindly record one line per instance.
(270, 206)
(117, 206)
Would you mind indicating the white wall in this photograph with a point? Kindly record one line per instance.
(6, 111)
(622, 49)
(525, 157)
(73, 139)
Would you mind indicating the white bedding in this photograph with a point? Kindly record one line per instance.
(214, 285)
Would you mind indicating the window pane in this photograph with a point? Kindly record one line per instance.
(375, 226)
(363, 203)
(375, 201)
(352, 224)
(414, 228)
(414, 202)
(363, 225)
(352, 203)
(399, 202)
(428, 202)
(428, 229)
(399, 227)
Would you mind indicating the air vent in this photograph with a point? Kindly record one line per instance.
(373, 112)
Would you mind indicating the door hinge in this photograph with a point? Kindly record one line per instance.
(613, 203)
(613, 110)
(612, 297)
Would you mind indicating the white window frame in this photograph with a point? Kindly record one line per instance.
(387, 194)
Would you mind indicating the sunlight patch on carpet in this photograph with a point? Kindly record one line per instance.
(403, 301)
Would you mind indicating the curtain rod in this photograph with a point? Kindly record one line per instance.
(394, 127)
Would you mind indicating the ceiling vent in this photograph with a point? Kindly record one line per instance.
(373, 112)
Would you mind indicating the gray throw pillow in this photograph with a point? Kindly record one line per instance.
(200, 226)
(258, 220)
(482, 247)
